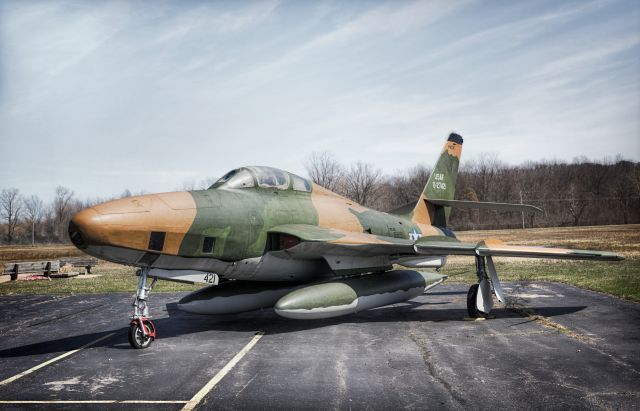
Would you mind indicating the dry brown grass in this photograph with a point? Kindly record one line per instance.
(623, 239)
(19, 253)
(108, 277)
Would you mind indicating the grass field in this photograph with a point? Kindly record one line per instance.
(39, 252)
(617, 278)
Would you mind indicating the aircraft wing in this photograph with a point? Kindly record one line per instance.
(317, 241)
(493, 247)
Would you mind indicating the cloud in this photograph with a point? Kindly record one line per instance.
(212, 18)
(586, 59)
(182, 90)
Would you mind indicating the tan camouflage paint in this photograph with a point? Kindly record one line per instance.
(128, 222)
(423, 214)
(333, 210)
(454, 149)
(496, 245)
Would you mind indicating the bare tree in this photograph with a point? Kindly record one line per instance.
(324, 170)
(34, 207)
(188, 185)
(62, 205)
(10, 210)
(362, 181)
(207, 182)
(192, 184)
(486, 169)
(399, 190)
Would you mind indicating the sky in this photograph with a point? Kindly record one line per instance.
(103, 96)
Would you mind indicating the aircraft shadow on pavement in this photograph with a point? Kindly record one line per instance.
(180, 323)
(446, 293)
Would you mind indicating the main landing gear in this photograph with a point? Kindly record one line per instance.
(142, 331)
(479, 297)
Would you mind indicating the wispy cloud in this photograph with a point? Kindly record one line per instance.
(155, 93)
(594, 56)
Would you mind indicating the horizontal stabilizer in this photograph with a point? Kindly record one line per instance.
(524, 208)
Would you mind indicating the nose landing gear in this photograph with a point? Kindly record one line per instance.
(142, 331)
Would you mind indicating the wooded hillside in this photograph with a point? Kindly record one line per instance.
(572, 194)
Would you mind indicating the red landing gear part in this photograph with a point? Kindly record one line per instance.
(141, 332)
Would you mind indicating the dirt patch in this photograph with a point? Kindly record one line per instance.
(624, 239)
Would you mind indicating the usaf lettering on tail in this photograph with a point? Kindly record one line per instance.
(274, 239)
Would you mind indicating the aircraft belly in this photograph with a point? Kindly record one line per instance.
(114, 254)
(282, 269)
(265, 268)
(350, 264)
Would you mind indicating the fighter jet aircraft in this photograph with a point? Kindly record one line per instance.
(263, 237)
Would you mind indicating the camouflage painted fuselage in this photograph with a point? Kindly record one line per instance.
(243, 225)
(239, 222)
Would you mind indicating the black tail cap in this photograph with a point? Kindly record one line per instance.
(456, 138)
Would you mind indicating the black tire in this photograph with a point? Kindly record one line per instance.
(472, 309)
(137, 338)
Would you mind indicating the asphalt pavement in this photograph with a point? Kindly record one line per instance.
(554, 347)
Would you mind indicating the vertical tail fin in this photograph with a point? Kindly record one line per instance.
(441, 185)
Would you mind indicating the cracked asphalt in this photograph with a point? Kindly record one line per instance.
(555, 347)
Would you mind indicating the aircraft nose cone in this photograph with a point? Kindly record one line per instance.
(83, 227)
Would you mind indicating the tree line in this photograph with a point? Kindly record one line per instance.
(29, 220)
(581, 192)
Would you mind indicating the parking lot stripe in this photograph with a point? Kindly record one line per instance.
(51, 361)
(220, 375)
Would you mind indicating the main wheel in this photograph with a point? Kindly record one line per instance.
(137, 338)
(472, 308)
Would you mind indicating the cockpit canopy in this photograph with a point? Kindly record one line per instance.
(262, 177)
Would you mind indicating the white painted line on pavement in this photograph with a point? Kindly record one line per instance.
(51, 361)
(191, 404)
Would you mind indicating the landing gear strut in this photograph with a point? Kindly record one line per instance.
(479, 299)
(142, 331)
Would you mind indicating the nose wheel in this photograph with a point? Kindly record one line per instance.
(142, 331)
